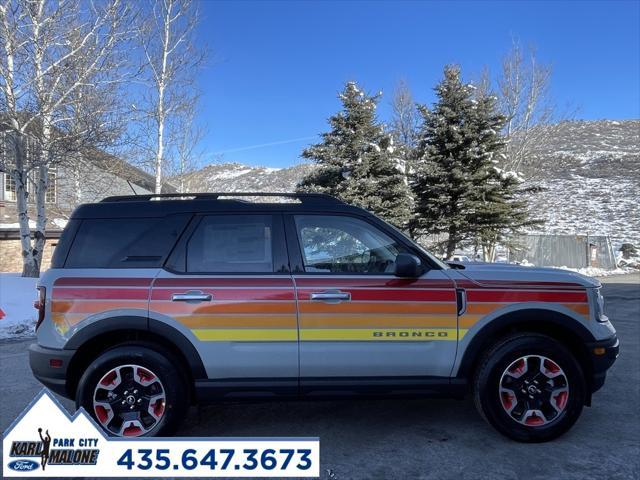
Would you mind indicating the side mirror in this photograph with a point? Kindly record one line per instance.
(408, 265)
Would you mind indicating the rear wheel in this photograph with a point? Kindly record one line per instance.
(530, 388)
(134, 390)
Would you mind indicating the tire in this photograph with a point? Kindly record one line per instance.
(135, 390)
(506, 384)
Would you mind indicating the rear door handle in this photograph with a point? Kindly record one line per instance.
(191, 297)
(331, 296)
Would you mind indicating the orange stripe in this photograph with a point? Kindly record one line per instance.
(222, 308)
(378, 307)
(468, 321)
(60, 306)
(377, 321)
(482, 308)
(240, 321)
(69, 319)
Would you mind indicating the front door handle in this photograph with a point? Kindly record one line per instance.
(331, 296)
(191, 296)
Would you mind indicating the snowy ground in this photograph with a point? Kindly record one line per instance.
(17, 295)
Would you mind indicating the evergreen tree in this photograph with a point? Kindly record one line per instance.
(459, 190)
(499, 209)
(356, 160)
(441, 181)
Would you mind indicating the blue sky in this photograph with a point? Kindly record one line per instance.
(275, 67)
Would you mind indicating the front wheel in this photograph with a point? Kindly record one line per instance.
(133, 391)
(530, 388)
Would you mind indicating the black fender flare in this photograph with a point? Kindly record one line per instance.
(142, 324)
(534, 319)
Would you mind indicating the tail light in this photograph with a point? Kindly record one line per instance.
(39, 305)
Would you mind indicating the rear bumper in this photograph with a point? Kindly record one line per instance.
(52, 377)
(603, 355)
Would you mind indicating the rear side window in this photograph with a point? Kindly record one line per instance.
(125, 242)
(230, 244)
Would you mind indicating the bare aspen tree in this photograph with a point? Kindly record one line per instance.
(187, 148)
(171, 62)
(49, 49)
(524, 97)
(404, 122)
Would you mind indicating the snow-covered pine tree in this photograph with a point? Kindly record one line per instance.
(459, 189)
(445, 153)
(356, 160)
(499, 209)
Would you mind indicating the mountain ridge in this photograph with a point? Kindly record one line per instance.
(589, 170)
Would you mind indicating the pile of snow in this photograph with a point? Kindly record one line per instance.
(60, 222)
(32, 224)
(599, 272)
(17, 295)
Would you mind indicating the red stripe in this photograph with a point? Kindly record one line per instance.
(223, 282)
(498, 296)
(100, 293)
(364, 282)
(228, 294)
(515, 284)
(116, 282)
(392, 295)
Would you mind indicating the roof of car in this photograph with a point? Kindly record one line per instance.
(165, 204)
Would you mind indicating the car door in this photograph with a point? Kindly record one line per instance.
(228, 287)
(357, 320)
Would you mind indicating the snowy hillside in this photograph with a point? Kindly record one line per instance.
(590, 170)
(235, 177)
(591, 173)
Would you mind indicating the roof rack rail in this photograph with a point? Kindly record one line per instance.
(302, 197)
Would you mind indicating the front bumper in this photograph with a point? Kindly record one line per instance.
(603, 355)
(52, 377)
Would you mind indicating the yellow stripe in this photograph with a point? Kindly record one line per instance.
(246, 335)
(327, 334)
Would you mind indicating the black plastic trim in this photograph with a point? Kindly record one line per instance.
(142, 324)
(602, 363)
(520, 318)
(54, 379)
(252, 389)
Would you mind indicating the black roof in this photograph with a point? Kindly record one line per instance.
(159, 205)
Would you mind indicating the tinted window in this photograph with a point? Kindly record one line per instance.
(125, 242)
(230, 244)
(338, 244)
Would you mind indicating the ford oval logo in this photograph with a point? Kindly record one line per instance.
(23, 465)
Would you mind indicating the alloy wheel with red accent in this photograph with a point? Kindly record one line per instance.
(534, 390)
(530, 387)
(129, 400)
(135, 390)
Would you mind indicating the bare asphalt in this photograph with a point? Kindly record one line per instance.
(424, 438)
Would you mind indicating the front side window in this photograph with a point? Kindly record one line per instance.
(345, 245)
(232, 244)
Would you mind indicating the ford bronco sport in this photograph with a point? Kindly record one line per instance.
(154, 303)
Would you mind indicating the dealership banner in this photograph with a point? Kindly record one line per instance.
(45, 441)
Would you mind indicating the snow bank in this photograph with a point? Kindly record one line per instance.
(600, 272)
(17, 295)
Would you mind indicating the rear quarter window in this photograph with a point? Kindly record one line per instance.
(125, 242)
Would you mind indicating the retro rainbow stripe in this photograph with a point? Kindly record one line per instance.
(252, 309)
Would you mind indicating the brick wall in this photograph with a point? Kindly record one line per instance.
(11, 255)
